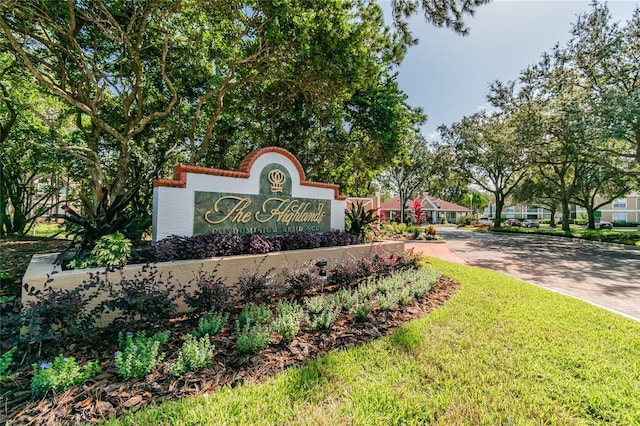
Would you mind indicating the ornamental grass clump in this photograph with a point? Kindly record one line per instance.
(211, 323)
(287, 321)
(61, 374)
(194, 354)
(138, 354)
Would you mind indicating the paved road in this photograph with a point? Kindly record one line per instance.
(603, 274)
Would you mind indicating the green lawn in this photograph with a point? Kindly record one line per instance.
(605, 235)
(499, 352)
(48, 230)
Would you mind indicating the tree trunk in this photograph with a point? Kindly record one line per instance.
(591, 218)
(499, 206)
(565, 215)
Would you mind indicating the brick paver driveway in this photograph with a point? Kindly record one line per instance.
(603, 274)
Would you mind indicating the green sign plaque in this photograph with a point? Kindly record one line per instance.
(272, 211)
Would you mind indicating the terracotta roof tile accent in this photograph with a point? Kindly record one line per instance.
(180, 172)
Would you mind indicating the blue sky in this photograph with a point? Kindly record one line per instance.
(448, 75)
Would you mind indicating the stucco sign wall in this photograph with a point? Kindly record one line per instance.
(267, 195)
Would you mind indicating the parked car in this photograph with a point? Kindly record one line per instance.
(531, 224)
(512, 222)
(604, 225)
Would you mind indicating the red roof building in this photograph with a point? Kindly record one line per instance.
(433, 208)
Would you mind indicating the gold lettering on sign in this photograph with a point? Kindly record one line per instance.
(236, 214)
(281, 210)
(288, 210)
(276, 178)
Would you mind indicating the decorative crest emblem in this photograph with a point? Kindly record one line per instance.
(276, 178)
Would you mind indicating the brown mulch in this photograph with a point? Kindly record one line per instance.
(106, 395)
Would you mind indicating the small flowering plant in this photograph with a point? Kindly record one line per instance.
(195, 353)
(138, 354)
(61, 374)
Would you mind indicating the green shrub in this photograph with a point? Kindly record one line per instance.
(325, 318)
(287, 322)
(345, 298)
(315, 304)
(388, 301)
(360, 310)
(211, 323)
(61, 374)
(194, 353)
(255, 314)
(109, 250)
(252, 337)
(443, 220)
(422, 281)
(5, 362)
(367, 289)
(138, 354)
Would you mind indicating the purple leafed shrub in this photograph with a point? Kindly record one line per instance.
(207, 246)
(60, 315)
(297, 279)
(255, 286)
(255, 244)
(147, 300)
(210, 293)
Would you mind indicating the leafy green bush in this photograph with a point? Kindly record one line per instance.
(211, 323)
(109, 250)
(138, 354)
(345, 298)
(108, 216)
(287, 321)
(194, 353)
(388, 301)
(326, 317)
(5, 362)
(61, 374)
(316, 304)
(255, 314)
(360, 310)
(252, 337)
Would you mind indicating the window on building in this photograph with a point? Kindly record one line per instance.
(620, 203)
(619, 217)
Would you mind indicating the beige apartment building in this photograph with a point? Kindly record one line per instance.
(622, 210)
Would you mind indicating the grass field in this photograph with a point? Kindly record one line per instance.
(611, 236)
(499, 352)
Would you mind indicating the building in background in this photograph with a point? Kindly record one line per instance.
(434, 209)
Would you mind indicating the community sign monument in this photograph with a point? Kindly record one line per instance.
(267, 195)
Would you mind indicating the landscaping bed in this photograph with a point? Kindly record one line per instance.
(107, 395)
